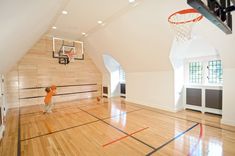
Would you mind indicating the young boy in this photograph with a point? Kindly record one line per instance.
(49, 99)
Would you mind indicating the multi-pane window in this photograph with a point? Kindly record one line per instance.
(122, 77)
(215, 72)
(195, 72)
(210, 69)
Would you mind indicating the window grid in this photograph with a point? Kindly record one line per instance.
(215, 72)
(122, 76)
(195, 72)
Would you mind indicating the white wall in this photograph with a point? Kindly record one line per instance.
(229, 97)
(112, 67)
(178, 65)
(106, 79)
(180, 51)
(154, 89)
(140, 41)
(225, 46)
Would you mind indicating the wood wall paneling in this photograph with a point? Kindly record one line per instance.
(37, 69)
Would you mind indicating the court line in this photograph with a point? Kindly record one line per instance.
(121, 138)
(121, 114)
(19, 135)
(42, 114)
(119, 129)
(155, 112)
(56, 108)
(176, 137)
(184, 119)
(99, 119)
(59, 130)
(198, 122)
(19, 124)
(148, 110)
(197, 144)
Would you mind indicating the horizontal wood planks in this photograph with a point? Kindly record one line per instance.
(38, 69)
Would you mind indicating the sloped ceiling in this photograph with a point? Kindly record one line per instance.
(83, 16)
(23, 22)
(138, 35)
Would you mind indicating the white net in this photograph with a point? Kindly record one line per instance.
(182, 23)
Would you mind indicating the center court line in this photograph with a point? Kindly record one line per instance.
(116, 140)
(176, 137)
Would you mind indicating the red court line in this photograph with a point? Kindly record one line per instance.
(111, 142)
(199, 139)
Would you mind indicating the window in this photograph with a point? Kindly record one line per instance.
(195, 72)
(205, 71)
(122, 77)
(215, 71)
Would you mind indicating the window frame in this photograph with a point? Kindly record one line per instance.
(205, 71)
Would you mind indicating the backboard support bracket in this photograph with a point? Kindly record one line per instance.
(218, 15)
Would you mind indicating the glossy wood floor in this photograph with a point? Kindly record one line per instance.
(114, 127)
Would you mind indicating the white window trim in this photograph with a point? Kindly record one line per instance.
(204, 61)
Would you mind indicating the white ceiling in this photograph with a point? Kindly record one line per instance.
(22, 23)
(140, 31)
(138, 37)
(83, 16)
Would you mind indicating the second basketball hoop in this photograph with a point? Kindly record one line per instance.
(67, 50)
(182, 22)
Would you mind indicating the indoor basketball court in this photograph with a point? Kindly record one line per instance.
(127, 77)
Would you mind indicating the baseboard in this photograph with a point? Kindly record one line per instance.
(179, 109)
(148, 106)
(228, 122)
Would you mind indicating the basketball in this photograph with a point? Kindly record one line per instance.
(53, 87)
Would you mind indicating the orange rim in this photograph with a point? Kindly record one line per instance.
(185, 11)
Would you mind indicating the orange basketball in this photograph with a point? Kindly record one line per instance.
(53, 87)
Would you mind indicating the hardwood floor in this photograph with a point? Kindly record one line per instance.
(9, 142)
(114, 127)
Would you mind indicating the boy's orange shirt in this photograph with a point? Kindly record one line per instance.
(48, 97)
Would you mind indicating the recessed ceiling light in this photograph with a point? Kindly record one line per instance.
(99, 22)
(64, 12)
(54, 27)
(83, 33)
(131, 1)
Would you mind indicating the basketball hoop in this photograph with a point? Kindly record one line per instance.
(67, 50)
(182, 22)
(71, 55)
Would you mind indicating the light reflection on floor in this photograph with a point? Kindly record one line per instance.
(119, 119)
